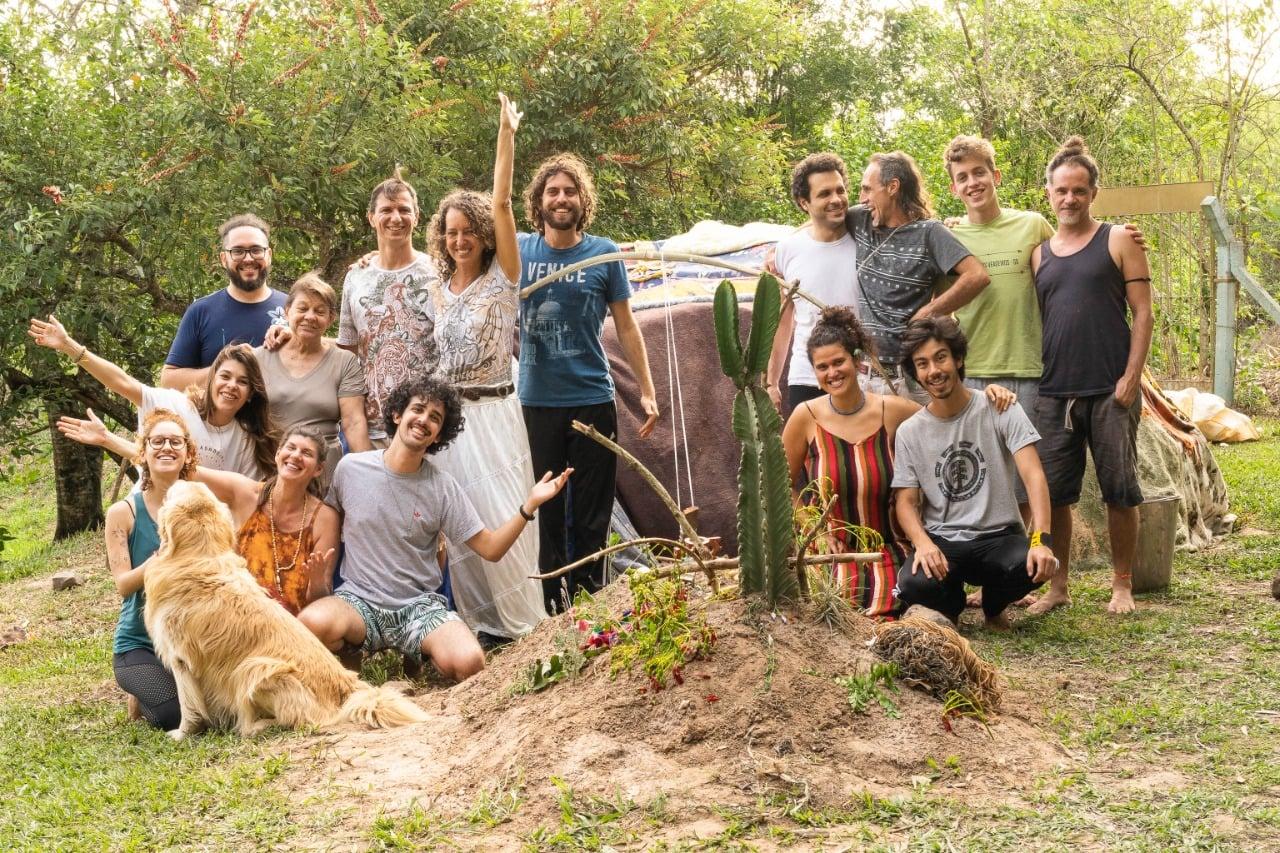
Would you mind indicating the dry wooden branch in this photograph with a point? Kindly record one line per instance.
(694, 548)
(721, 564)
(613, 549)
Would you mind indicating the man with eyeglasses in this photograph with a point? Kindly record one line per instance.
(241, 312)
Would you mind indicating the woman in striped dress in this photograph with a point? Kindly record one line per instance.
(843, 443)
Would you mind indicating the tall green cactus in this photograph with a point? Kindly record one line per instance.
(765, 526)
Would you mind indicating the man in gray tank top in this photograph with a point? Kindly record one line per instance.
(1088, 277)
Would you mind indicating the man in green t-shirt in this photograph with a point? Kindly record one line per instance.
(1002, 322)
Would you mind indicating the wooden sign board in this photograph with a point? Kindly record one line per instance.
(1157, 198)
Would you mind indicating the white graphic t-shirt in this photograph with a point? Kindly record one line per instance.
(475, 329)
(387, 317)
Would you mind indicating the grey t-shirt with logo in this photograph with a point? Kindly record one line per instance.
(390, 526)
(963, 466)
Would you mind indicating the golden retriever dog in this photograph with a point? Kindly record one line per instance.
(239, 659)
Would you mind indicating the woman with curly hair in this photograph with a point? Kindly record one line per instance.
(472, 240)
(167, 455)
(229, 418)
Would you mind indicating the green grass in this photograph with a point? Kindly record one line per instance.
(1167, 716)
(25, 487)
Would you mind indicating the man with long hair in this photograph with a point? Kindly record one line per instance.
(903, 255)
(564, 373)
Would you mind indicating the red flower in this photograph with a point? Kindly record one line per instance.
(711, 697)
(53, 192)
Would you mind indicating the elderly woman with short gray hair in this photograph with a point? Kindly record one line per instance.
(312, 382)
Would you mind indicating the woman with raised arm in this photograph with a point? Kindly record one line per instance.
(287, 535)
(310, 381)
(472, 239)
(166, 455)
(229, 419)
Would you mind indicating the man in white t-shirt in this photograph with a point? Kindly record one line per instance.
(823, 258)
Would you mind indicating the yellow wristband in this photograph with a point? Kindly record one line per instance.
(1035, 539)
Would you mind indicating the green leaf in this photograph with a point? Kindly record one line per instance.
(727, 341)
(765, 311)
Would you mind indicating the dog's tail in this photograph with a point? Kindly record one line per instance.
(379, 708)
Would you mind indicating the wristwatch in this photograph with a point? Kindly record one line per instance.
(1040, 538)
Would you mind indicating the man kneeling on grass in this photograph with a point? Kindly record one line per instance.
(394, 505)
(956, 463)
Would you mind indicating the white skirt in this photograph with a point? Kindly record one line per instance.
(490, 459)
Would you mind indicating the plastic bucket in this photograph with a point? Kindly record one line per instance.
(1157, 532)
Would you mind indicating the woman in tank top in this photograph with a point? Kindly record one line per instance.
(166, 455)
(843, 444)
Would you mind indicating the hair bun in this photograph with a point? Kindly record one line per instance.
(839, 314)
(1073, 145)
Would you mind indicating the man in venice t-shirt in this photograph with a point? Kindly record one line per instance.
(564, 373)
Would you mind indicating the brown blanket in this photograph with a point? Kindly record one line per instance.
(708, 409)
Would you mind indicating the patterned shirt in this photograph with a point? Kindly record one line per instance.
(386, 316)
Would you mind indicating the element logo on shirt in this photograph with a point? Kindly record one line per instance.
(961, 470)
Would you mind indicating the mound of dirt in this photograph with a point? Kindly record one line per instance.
(763, 713)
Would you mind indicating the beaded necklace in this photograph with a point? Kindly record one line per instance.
(275, 554)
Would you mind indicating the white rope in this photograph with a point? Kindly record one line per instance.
(675, 391)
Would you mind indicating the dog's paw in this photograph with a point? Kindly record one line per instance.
(177, 734)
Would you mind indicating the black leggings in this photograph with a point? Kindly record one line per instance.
(140, 674)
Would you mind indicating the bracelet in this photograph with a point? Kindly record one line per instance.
(83, 350)
(1039, 538)
(527, 516)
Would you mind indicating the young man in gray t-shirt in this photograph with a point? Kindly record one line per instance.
(955, 465)
(394, 505)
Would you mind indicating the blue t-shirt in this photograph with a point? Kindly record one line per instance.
(213, 321)
(562, 360)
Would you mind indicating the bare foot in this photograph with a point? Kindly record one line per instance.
(1049, 601)
(133, 708)
(1025, 601)
(1000, 622)
(1121, 600)
(973, 599)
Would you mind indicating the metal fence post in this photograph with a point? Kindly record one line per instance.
(1224, 339)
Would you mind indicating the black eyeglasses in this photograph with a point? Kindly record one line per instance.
(158, 442)
(239, 252)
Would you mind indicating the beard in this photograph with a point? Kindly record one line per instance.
(248, 286)
(571, 225)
